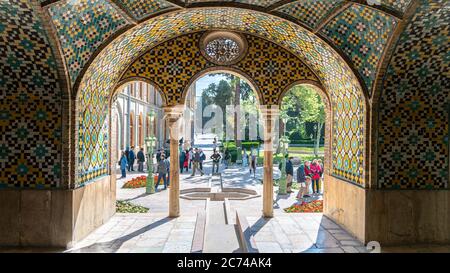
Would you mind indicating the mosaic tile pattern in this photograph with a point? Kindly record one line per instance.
(361, 33)
(271, 67)
(30, 101)
(263, 3)
(335, 75)
(82, 26)
(141, 9)
(309, 12)
(413, 149)
(400, 5)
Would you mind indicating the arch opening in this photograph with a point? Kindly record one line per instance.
(348, 99)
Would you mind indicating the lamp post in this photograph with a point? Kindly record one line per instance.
(150, 141)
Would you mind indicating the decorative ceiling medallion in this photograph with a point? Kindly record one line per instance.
(223, 47)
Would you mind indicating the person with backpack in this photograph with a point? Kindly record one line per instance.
(161, 169)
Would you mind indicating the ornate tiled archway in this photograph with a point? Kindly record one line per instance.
(388, 58)
(336, 77)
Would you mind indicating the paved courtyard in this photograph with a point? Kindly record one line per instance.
(140, 233)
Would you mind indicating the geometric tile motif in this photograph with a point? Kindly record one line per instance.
(140, 9)
(335, 75)
(263, 3)
(413, 148)
(399, 5)
(82, 27)
(361, 33)
(309, 12)
(173, 64)
(30, 101)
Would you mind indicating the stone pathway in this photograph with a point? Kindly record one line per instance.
(140, 233)
(302, 233)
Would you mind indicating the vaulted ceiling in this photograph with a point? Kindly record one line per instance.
(358, 30)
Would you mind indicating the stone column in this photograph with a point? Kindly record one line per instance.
(270, 115)
(173, 116)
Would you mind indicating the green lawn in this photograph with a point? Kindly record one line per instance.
(278, 157)
(304, 150)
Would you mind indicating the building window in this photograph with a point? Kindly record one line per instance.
(132, 129)
(141, 132)
(223, 48)
(132, 90)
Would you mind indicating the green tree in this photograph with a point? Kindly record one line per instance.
(219, 94)
(303, 104)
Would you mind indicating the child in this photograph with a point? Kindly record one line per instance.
(304, 188)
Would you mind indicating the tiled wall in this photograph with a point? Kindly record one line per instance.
(30, 101)
(413, 148)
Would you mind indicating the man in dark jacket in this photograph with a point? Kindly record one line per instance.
(289, 174)
(131, 158)
(216, 160)
(141, 160)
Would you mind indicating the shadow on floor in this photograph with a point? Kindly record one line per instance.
(115, 244)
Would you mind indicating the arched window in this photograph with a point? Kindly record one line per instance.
(141, 132)
(131, 129)
(141, 89)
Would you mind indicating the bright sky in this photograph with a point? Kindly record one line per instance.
(205, 81)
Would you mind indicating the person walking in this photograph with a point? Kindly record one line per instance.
(168, 169)
(289, 174)
(244, 159)
(214, 144)
(253, 162)
(316, 171)
(182, 159)
(322, 171)
(216, 160)
(141, 160)
(226, 158)
(127, 154)
(196, 163)
(186, 160)
(158, 156)
(131, 158)
(123, 162)
(301, 180)
(162, 171)
(191, 157)
(202, 158)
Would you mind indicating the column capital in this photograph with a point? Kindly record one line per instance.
(173, 112)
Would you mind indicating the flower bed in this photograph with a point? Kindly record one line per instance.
(313, 206)
(127, 207)
(137, 182)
